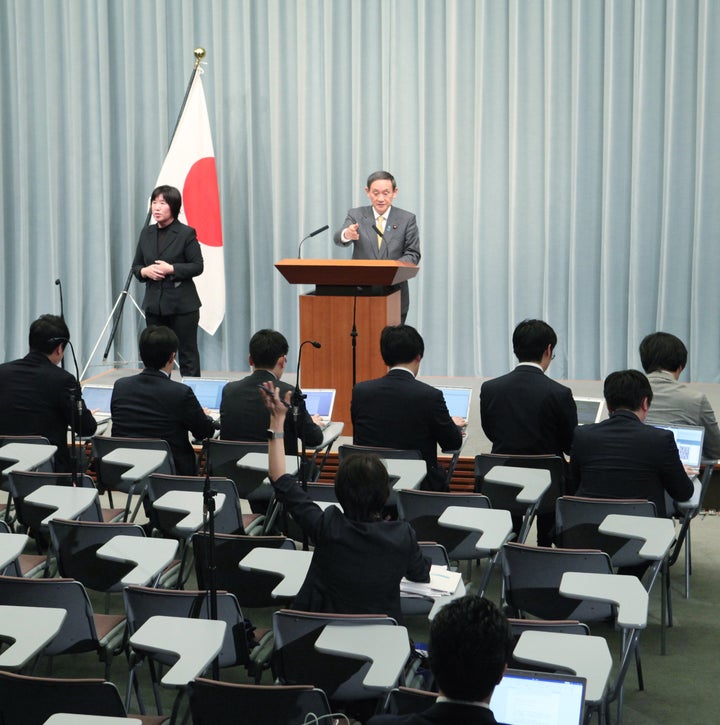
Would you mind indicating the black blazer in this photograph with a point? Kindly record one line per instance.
(441, 713)
(244, 417)
(621, 457)
(527, 413)
(176, 294)
(357, 565)
(150, 405)
(35, 399)
(398, 411)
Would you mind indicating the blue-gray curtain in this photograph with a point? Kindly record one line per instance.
(563, 158)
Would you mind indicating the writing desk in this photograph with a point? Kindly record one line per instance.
(291, 564)
(141, 462)
(67, 501)
(441, 600)
(63, 718)
(190, 503)
(409, 472)
(587, 657)
(150, 555)
(387, 648)
(24, 456)
(31, 628)
(259, 462)
(11, 546)
(196, 642)
(658, 534)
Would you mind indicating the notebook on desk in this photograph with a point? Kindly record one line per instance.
(540, 698)
(589, 410)
(320, 401)
(208, 391)
(97, 398)
(457, 401)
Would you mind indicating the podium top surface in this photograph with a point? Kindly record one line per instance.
(346, 272)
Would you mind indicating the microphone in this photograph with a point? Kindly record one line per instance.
(312, 234)
(377, 231)
(297, 393)
(62, 309)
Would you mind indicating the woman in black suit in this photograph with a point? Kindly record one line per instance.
(168, 256)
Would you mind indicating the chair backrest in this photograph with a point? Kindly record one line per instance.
(23, 483)
(221, 457)
(296, 661)
(577, 520)
(75, 544)
(532, 577)
(437, 553)
(252, 588)
(32, 700)
(109, 475)
(228, 518)
(408, 700)
(226, 703)
(421, 509)
(141, 603)
(503, 497)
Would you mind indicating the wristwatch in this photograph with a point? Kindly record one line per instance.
(275, 435)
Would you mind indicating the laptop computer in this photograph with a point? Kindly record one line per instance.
(689, 441)
(589, 410)
(320, 401)
(97, 398)
(540, 698)
(208, 391)
(457, 401)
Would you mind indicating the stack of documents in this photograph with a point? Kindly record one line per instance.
(442, 583)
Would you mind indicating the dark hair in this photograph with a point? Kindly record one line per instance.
(157, 344)
(46, 333)
(266, 346)
(362, 486)
(470, 644)
(171, 196)
(400, 344)
(531, 338)
(381, 176)
(625, 390)
(662, 351)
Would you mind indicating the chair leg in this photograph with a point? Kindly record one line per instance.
(638, 667)
(688, 564)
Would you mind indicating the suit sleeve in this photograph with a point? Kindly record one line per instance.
(139, 260)
(567, 419)
(711, 442)
(299, 503)
(199, 424)
(87, 423)
(191, 264)
(418, 566)
(671, 471)
(411, 245)
(447, 434)
(573, 477)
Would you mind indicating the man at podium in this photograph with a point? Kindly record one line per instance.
(381, 230)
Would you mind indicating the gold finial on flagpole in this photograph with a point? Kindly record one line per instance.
(199, 55)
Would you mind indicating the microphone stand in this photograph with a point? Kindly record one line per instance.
(76, 407)
(62, 312)
(209, 529)
(353, 344)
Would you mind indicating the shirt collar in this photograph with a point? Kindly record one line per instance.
(532, 364)
(384, 216)
(474, 703)
(402, 367)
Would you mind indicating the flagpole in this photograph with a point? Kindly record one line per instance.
(199, 54)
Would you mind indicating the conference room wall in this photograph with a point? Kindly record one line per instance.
(562, 157)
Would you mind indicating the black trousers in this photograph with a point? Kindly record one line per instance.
(185, 326)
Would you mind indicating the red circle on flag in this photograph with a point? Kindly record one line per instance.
(201, 202)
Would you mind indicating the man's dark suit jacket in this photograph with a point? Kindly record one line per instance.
(35, 399)
(357, 565)
(398, 411)
(244, 417)
(150, 405)
(441, 713)
(400, 241)
(621, 457)
(527, 413)
(176, 294)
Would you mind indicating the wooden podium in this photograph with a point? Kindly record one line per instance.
(345, 290)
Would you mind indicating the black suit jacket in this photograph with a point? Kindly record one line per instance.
(527, 413)
(357, 565)
(35, 399)
(150, 405)
(441, 713)
(244, 417)
(176, 294)
(398, 411)
(621, 457)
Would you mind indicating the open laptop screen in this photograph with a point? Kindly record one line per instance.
(320, 401)
(689, 441)
(208, 391)
(589, 410)
(97, 397)
(538, 698)
(457, 401)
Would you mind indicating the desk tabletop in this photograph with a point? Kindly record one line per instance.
(150, 555)
(196, 642)
(68, 501)
(11, 546)
(386, 647)
(627, 592)
(494, 525)
(64, 718)
(190, 503)
(587, 657)
(292, 564)
(409, 472)
(532, 482)
(657, 533)
(31, 628)
(442, 600)
(24, 456)
(142, 462)
(259, 462)
(331, 434)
